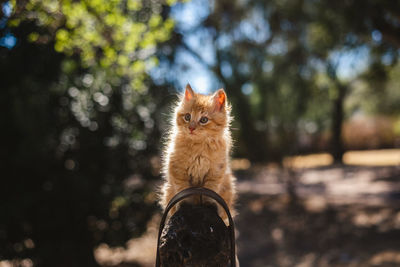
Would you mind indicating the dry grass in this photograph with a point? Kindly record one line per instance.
(308, 161)
(383, 157)
(386, 157)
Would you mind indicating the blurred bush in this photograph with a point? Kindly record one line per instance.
(370, 133)
(81, 125)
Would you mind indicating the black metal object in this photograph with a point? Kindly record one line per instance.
(198, 191)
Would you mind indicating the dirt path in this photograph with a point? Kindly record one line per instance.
(343, 216)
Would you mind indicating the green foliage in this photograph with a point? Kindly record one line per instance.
(116, 35)
(391, 99)
(379, 92)
(115, 42)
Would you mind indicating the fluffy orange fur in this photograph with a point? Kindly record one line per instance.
(197, 151)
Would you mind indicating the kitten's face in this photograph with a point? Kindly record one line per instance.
(202, 116)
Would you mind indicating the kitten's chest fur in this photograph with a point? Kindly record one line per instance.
(196, 162)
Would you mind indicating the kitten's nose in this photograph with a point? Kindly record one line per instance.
(192, 126)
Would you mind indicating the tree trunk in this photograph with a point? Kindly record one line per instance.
(337, 149)
(255, 141)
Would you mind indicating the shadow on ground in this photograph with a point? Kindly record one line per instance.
(322, 227)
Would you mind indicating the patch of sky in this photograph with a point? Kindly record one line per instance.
(350, 62)
(226, 69)
(188, 17)
(223, 41)
(247, 88)
(376, 36)
(277, 47)
(190, 14)
(190, 70)
(7, 9)
(267, 66)
(8, 40)
(388, 59)
(316, 64)
(201, 41)
(253, 28)
(160, 74)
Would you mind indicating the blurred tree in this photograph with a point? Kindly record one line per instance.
(353, 27)
(81, 126)
(286, 67)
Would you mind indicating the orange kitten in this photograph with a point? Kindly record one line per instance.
(197, 152)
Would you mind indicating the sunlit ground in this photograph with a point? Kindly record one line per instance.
(316, 179)
(384, 157)
(346, 215)
(139, 250)
(17, 262)
(387, 157)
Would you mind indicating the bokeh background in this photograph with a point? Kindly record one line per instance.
(85, 94)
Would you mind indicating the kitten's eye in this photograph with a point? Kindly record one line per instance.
(187, 117)
(203, 120)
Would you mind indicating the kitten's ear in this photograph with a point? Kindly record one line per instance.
(189, 93)
(219, 99)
